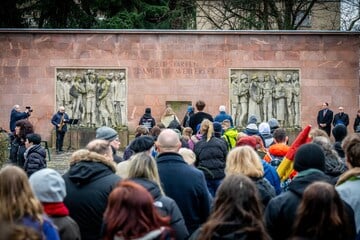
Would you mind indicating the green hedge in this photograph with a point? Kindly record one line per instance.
(4, 150)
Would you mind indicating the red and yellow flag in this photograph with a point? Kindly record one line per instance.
(285, 168)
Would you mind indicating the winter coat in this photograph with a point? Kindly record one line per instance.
(281, 210)
(223, 116)
(17, 150)
(147, 120)
(231, 231)
(341, 118)
(356, 124)
(166, 207)
(67, 227)
(16, 116)
(230, 136)
(267, 192)
(56, 119)
(88, 185)
(197, 118)
(35, 159)
(211, 157)
(47, 229)
(187, 186)
(278, 149)
(272, 176)
(193, 140)
(348, 188)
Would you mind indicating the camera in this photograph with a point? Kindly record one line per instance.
(29, 108)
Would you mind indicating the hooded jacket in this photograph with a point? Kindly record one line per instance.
(166, 207)
(147, 120)
(34, 159)
(89, 181)
(281, 210)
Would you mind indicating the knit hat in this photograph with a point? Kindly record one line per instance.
(142, 144)
(48, 185)
(106, 133)
(308, 156)
(147, 110)
(190, 109)
(252, 119)
(247, 141)
(274, 124)
(217, 127)
(222, 108)
(264, 128)
(252, 126)
(339, 132)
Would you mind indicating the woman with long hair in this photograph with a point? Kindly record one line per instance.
(131, 214)
(17, 148)
(168, 116)
(19, 204)
(210, 154)
(244, 160)
(322, 215)
(143, 170)
(237, 212)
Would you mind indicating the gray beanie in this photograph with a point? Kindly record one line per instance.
(308, 156)
(106, 133)
(48, 185)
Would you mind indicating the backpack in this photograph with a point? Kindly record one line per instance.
(230, 137)
(275, 160)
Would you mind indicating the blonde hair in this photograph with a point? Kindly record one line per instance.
(188, 155)
(244, 160)
(187, 133)
(168, 112)
(207, 129)
(17, 200)
(142, 165)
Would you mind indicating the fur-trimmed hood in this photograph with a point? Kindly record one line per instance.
(87, 166)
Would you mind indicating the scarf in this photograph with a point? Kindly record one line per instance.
(55, 209)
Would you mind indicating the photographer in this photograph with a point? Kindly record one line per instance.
(17, 115)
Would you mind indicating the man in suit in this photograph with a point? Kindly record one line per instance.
(341, 118)
(325, 118)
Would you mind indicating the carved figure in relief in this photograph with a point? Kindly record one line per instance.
(105, 101)
(235, 98)
(279, 96)
(78, 91)
(67, 97)
(267, 102)
(243, 99)
(255, 97)
(60, 89)
(90, 83)
(118, 89)
(296, 99)
(289, 99)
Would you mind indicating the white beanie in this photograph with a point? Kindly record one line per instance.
(264, 128)
(48, 185)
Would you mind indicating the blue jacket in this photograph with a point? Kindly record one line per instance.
(56, 119)
(223, 116)
(15, 116)
(187, 186)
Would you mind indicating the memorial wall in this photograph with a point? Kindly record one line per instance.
(109, 77)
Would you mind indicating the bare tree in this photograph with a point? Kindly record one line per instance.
(259, 14)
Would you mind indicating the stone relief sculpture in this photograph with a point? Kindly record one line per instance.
(265, 94)
(97, 97)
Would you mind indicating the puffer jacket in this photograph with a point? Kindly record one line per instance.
(89, 181)
(17, 150)
(35, 159)
(166, 207)
(211, 157)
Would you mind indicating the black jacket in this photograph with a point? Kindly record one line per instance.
(15, 116)
(166, 207)
(281, 210)
(356, 123)
(187, 186)
(211, 157)
(148, 121)
(35, 159)
(88, 185)
(341, 118)
(197, 118)
(17, 150)
(266, 190)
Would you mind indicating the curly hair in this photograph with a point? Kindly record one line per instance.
(26, 127)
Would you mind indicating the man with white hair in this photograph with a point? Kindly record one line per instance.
(16, 115)
(223, 116)
(60, 120)
(181, 182)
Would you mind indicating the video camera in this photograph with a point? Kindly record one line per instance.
(29, 108)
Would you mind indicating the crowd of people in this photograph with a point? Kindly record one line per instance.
(195, 178)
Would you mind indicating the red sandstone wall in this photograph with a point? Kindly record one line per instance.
(176, 66)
